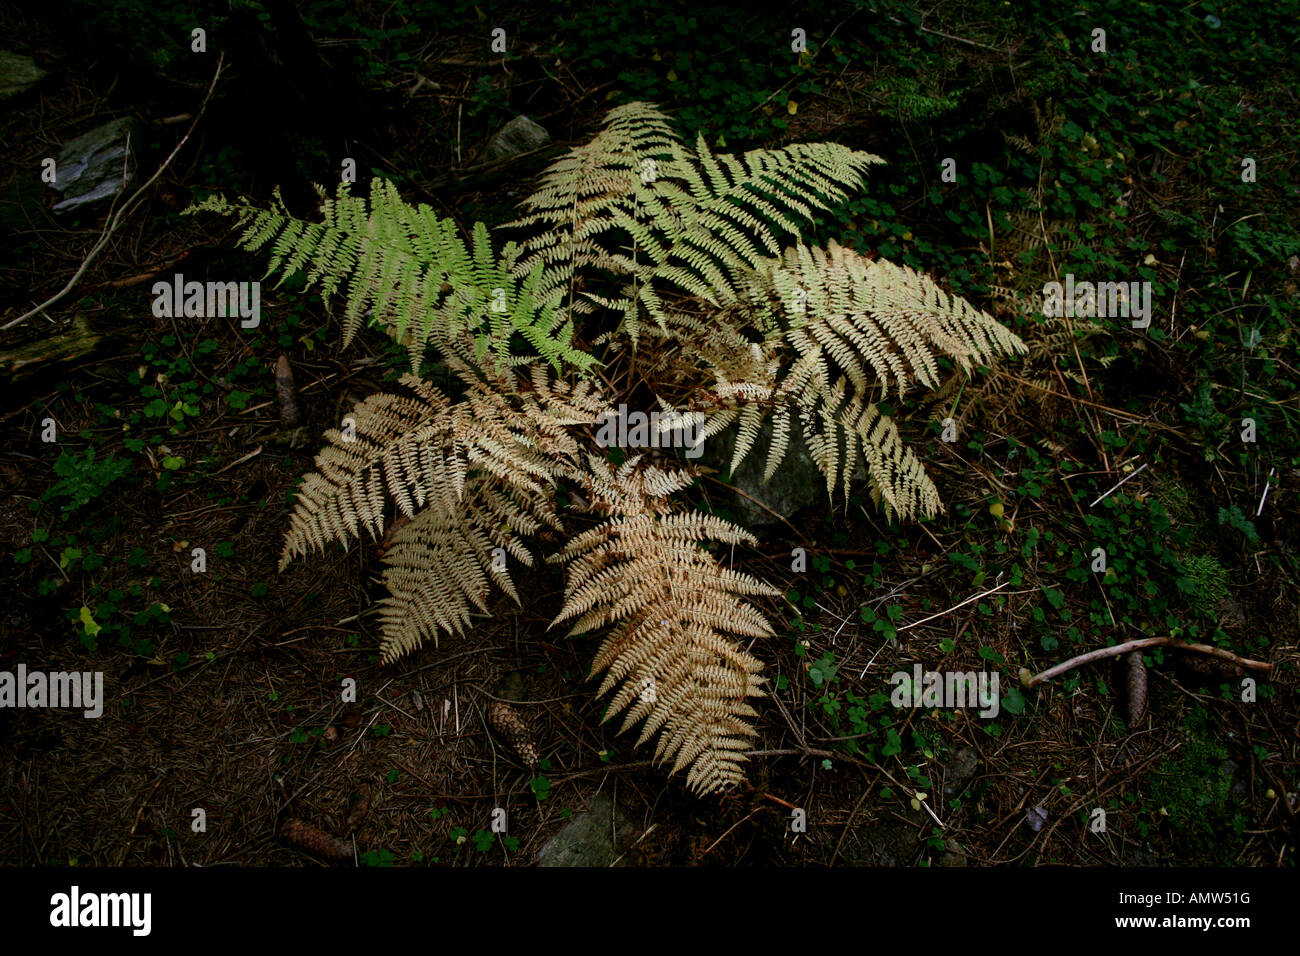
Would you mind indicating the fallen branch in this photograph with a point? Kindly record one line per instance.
(1119, 649)
(130, 281)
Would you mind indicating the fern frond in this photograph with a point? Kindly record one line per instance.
(851, 328)
(414, 273)
(637, 203)
(432, 458)
(741, 208)
(445, 558)
(619, 179)
(669, 659)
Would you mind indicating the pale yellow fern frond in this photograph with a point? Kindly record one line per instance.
(473, 476)
(636, 203)
(621, 179)
(852, 328)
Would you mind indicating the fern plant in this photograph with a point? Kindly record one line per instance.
(665, 264)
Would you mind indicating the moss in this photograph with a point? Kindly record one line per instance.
(1210, 582)
(1193, 791)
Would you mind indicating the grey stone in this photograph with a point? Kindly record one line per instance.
(1232, 770)
(796, 484)
(90, 167)
(959, 771)
(520, 135)
(954, 854)
(591, 838)
(18, 74)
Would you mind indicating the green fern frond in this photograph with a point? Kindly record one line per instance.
(414, 273)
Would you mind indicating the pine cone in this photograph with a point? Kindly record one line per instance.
(285, 392)
(314, 840)
(1137, 689)
(505, 720)
(358, 808)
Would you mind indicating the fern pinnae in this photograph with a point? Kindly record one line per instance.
(440, 564)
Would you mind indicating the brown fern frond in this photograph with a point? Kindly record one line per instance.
(446, 558)
(419, 448)
(474, 477)
(669, 659)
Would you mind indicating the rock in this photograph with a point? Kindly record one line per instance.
(1231, 613)
(589, 839)
(1232, 771)
(796, 484)
(520, 135)
(18, 74)
(959, 771)
(90, 167)
(954, 854)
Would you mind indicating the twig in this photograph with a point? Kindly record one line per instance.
(728, 833)
(605, 768)
(1117, 487)
(1264, 496)
(925, 805)
(1118, 413)
(144, 277)
(138, 813)
(649, 830)
(252, 454)
(1119, 649)
(975, 597)
(949, 36)
(111, 226)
